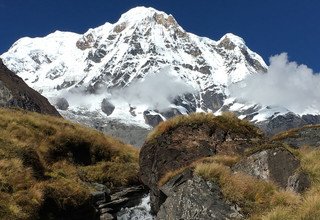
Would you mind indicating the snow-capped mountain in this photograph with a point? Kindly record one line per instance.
(141, 70)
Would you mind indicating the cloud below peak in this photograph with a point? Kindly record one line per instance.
(286, 83)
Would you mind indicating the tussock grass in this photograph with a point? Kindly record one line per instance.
(165, 178)
(254, 196)
(308, 208)
(45, 157)
(227, 121)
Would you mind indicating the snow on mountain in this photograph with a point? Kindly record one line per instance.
(143, 69)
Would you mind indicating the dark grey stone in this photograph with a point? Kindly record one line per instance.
(107, 107)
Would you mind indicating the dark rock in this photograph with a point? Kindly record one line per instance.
(227, 44)
(182, 145)
(14, 92)
(171, 185)
(107, 107)
(305, 136)
(188, 101)
(277, 165)
(62, 104)
(212, 100)
(152, 118)
(299, 182)
(288, 121)
(197, 199)
(170, 113)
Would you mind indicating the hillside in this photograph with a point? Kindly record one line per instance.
(14, 92)
(219, 167)
(49, 167)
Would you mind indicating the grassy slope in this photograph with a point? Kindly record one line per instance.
(45, 157)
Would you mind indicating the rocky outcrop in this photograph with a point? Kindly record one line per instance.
(277, 165)
(14, 92)
(305, 136)
(197, 199)
(181, 145)
(152, 118)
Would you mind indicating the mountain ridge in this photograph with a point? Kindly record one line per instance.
(117, 67)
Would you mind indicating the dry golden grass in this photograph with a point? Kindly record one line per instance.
(308, 208)
(165, 178)
(47, 157)
(227, 160)
(226, 121)
(254, 196)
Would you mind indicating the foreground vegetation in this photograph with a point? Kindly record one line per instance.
(227, 121)
(258, 199)
(47, 160)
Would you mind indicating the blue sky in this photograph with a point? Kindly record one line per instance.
(268, 26)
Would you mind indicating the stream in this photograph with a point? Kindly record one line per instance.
(139, 212)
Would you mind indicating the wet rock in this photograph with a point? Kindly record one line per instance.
(108, 205)
(277, 165)
(62, 104)
(197, 199)
(107, 107)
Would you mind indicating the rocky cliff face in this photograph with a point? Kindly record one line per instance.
(15, 93)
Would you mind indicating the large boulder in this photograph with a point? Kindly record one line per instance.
(182, 140)
(197, 199)
(107, 107)
(277, 165)
(14, 92)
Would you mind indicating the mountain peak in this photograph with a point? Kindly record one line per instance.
(230, 41)
(139, 13)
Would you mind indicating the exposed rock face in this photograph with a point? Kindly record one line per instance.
(152, 118)
(197, 199)
(62, 104)
(107, 107)
(277, 165)
(14, 92)
(287, 121)
(182, 145)
(108, 205)
(306, 136)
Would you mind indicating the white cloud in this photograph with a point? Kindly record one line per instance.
(156, 90)
(295, 87)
